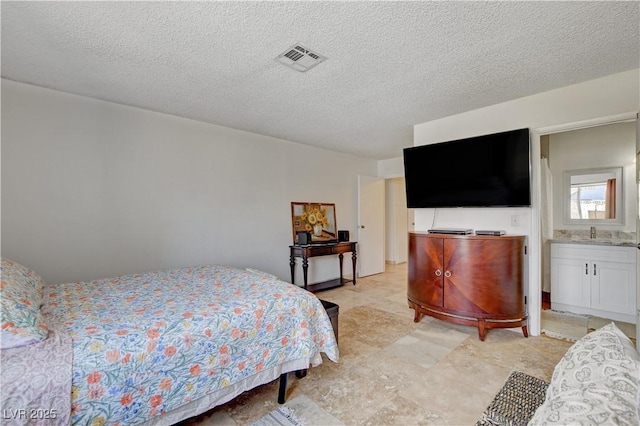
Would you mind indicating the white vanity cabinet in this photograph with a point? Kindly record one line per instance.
(594, 279)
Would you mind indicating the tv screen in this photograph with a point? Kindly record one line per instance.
(483, 171)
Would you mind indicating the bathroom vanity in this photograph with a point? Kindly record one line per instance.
(595, 278)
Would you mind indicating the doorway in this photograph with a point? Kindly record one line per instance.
(562, 152)
(399, 221)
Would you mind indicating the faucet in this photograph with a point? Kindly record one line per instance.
(593, 232)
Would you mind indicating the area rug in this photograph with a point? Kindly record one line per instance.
(282, 416)
(573, 327)
(563, 325)
(309, 412)
(516, 402)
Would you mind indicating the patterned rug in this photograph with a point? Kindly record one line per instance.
(283, 416)
(516, 402)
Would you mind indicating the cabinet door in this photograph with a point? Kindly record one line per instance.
(483, 277)
(570, 282)
(613, 287)
(425, 270)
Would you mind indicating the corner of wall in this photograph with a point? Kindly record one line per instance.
(390, 168)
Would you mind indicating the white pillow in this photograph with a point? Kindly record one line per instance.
(595, 382)
(21, 320)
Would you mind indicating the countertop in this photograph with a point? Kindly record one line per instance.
(595, 241)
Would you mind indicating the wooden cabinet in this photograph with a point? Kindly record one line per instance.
(468, 279)
(594, 279)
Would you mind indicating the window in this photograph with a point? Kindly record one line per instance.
(588, 201)
(593, 196)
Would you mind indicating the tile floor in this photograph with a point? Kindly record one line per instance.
(393, 371)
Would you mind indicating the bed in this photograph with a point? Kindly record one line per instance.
(152, 348)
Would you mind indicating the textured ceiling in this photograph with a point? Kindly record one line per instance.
(390, 64)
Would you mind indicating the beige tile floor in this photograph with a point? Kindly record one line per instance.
(393, 371)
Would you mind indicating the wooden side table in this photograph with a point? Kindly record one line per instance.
(313, 250)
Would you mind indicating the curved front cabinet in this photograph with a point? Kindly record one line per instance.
(470, 280)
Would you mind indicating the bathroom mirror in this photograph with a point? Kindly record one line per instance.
(593, 196)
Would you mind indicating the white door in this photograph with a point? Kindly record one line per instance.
(370, 225)
(638, 234)
(402, 234)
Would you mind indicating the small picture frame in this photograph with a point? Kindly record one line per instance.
(318, 219)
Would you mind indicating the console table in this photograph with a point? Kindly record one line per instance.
(313, 250)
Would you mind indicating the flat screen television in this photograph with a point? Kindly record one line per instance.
(483, 171)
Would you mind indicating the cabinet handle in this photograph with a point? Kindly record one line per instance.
(447, 274)
(586, 269)
(438, 273)
(594, 269)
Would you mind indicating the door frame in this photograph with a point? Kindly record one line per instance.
(535, 243)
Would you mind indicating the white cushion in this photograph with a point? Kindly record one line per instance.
(596, 382)
(21, 320)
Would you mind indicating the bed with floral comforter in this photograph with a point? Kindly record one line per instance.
(163, 346)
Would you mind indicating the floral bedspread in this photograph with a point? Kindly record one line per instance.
(145, 344)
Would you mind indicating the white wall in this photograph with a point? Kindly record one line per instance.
(94, 189)
(595, 147)
(393, 167)
(611, 95)
(608, 96)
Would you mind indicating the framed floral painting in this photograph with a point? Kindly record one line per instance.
(318, 219)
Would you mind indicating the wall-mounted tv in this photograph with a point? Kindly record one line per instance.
(483, 171)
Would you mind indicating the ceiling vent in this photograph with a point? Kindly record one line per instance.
(300, 58)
